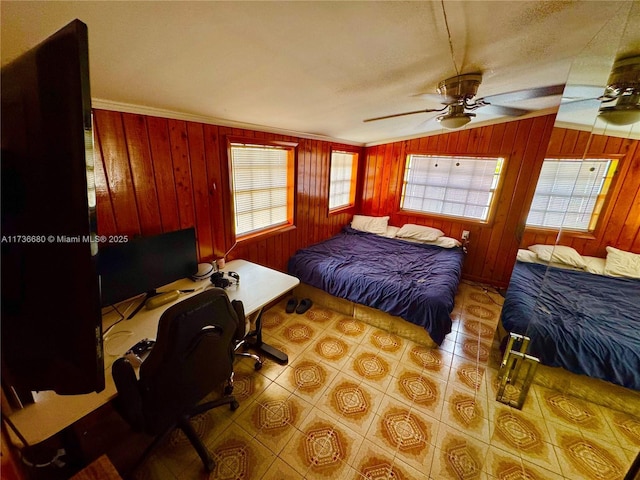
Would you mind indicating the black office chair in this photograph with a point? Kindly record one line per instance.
(192, 357)
(243, 334)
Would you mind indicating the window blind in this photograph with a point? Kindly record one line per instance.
(259, 186)
(451, 185)
(567, 192)
(341, 181)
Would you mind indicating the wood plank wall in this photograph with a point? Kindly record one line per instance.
(620, 222)
(493, 246)
(524, 143)
(157, 175)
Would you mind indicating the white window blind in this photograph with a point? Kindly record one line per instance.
(340, 184)
(567, 193)
(259, 186)
(451, 185)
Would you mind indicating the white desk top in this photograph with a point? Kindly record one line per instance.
(52, 413)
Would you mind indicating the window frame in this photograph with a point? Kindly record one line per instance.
(292, 154)
(493, 206)
(602, 214)
(355, 170)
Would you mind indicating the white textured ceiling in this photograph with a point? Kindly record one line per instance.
(319, 68)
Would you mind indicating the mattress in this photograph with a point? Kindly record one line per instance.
(585, 323)
(414, 281)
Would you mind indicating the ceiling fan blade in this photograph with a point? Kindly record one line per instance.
(573, 106)
(500, 110)
(520, 95)
(405, 113)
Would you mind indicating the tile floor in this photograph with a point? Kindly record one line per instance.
(356, 402)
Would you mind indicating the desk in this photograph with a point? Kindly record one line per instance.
(52, 413)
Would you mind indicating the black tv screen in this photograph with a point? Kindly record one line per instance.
(51, 317)
(141, 265)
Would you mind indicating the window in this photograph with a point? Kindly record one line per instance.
(342, 182)
(262, 186)
(570, 193)
(451, 185)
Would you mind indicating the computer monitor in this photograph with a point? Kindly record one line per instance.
(144, 264)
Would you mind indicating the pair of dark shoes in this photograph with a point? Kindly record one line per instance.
(293, 305)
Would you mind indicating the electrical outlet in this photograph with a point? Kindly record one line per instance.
(465, 235)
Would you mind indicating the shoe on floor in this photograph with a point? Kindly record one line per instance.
(305, 304)
(292, 303)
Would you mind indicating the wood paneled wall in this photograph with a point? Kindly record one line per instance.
(493, 246)
(619, 225)
(524, 143)
(157, 175)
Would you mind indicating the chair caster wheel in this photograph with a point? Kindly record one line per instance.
(234, 405)
(257, 366)
(210, 466)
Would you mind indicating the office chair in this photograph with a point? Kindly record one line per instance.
(243, 333)
(192, 357)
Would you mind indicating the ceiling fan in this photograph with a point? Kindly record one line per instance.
(457, 95)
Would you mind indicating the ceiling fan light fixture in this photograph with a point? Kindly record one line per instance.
(623, 84)
(620, 116)
(455, 118)
(626, 111)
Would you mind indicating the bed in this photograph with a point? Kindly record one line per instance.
(414, 281)
(586, 323)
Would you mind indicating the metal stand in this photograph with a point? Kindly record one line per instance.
(512, 371)
(254, 339)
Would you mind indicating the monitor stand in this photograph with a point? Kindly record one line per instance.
(147, 296)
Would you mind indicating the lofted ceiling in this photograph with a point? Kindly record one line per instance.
(321, 68)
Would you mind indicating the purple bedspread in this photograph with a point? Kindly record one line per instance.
(414, 281)
(588, 324)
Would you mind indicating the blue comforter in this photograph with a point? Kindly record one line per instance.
(588, 324)
(414, 281)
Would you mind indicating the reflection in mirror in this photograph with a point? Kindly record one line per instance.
(569, 291)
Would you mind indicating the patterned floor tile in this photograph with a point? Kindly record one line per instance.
(280, 470)
(516, 432)
(418, 390)
(237, 455)
(376, 463)
(350, 328)
(322, 448)
(274, 416)
(505, 466)
(307, 377)
(434, 361)
(355, 402)
(458, 456)
(333, 349)
(388, 344)
(588, 459)
(625, 427)
(371, 367)
(574, 412)
(407, 432)
(352, 402)
(467, 412)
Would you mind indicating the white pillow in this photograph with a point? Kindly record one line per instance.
(377, 225)
(622, 264)
(391, 231)
(558, 254)
(446, 242)
(594, 265)
(419, 232)
(527, 256)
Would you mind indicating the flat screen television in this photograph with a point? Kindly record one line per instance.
(51, 316)
(144, 264)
